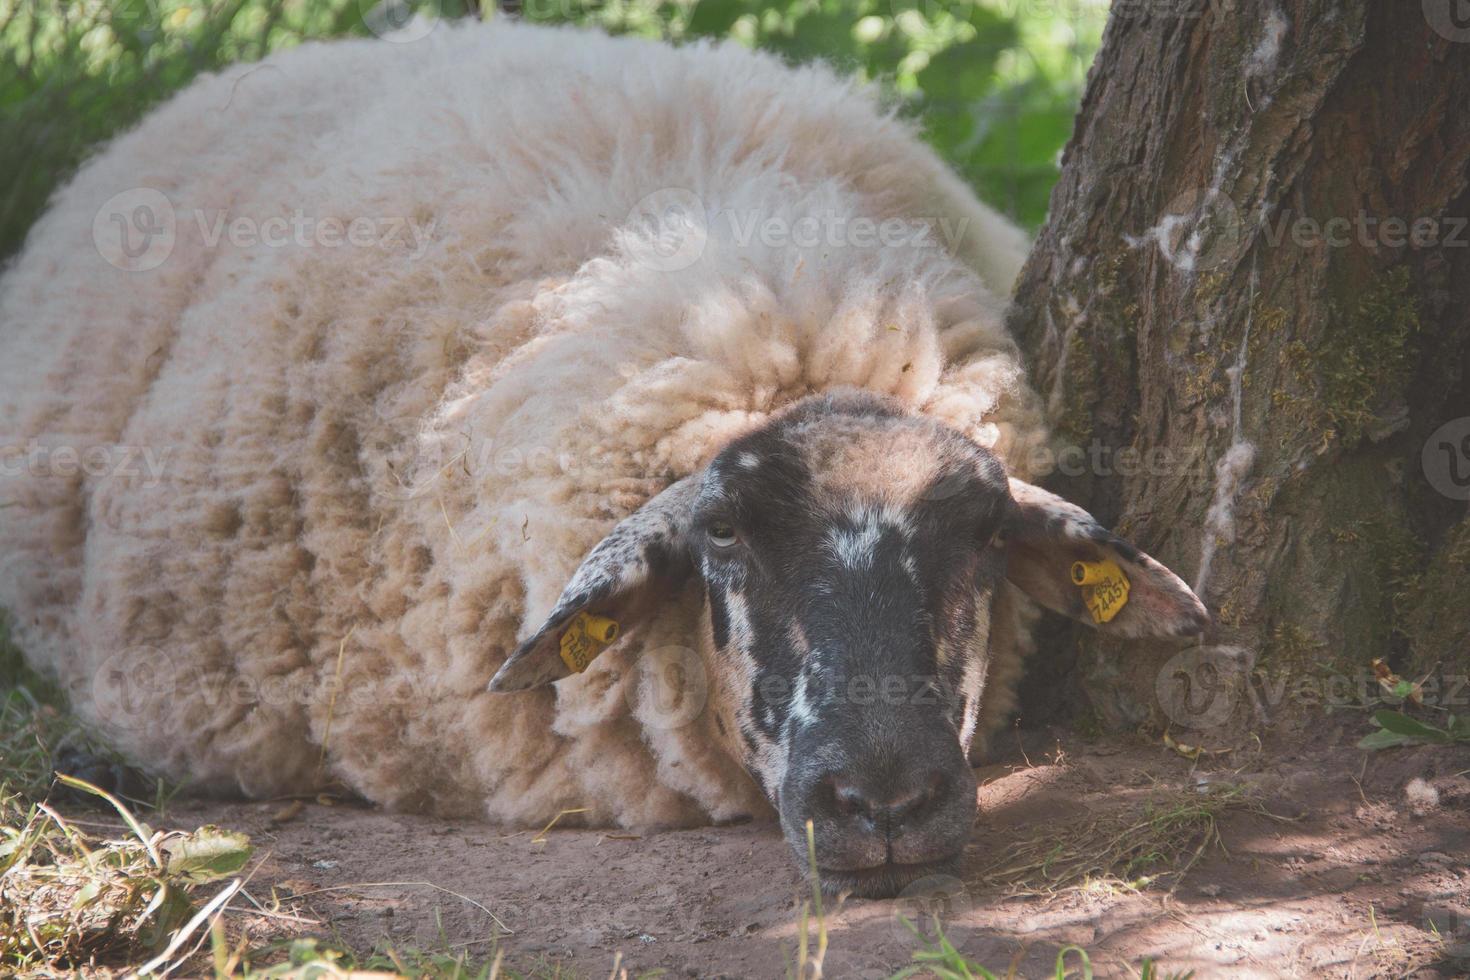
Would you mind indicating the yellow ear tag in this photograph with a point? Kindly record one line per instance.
(1104, 587)
(584, 638)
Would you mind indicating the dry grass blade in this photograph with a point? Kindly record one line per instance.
(1161, 840)
(181, 936)
(141, 830)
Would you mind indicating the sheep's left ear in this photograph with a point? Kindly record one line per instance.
(642, 560)
(1059, 555)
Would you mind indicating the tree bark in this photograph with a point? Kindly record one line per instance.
(1255, 278)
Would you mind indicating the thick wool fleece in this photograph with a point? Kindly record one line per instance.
(381, 459)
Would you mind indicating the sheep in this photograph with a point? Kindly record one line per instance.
(352, 380)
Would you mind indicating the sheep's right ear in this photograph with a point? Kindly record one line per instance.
(1052, 545)
(641, 560)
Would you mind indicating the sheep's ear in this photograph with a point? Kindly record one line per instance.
(641, 560)
(1059, 555)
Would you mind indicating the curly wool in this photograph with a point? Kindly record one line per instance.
(383, 460)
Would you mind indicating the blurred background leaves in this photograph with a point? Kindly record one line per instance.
(994, 83)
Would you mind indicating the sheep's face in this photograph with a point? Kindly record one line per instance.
(850, 553)
(847, 553)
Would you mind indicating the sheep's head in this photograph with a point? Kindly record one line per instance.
(850, 552)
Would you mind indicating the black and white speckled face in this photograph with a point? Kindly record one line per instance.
(850, 553)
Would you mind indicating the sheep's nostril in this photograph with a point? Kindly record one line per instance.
(848, 798)
(911, 806)
(889, 806)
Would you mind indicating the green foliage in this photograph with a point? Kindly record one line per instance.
(68, 896)
(1396, 728)
(940, 959)
(994, 83)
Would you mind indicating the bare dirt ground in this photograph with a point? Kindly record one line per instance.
(1328, 864)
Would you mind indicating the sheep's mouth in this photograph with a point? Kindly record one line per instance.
(884, 880)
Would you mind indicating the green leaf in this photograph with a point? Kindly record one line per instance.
(1395, 721)
(1384, 739)
(207, 854)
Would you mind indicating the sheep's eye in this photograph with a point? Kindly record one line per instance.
(722, 535)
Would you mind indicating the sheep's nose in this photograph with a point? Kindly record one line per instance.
(883, 807)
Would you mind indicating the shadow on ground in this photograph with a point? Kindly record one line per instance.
(1302, 861)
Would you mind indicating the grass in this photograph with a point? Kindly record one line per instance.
(72, 899)
(1157, 842)
(134, 900)
(939, 958)
(106, 899)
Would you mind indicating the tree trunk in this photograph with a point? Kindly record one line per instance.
(1248, 315)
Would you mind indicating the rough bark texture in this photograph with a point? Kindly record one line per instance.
(1281, 388)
